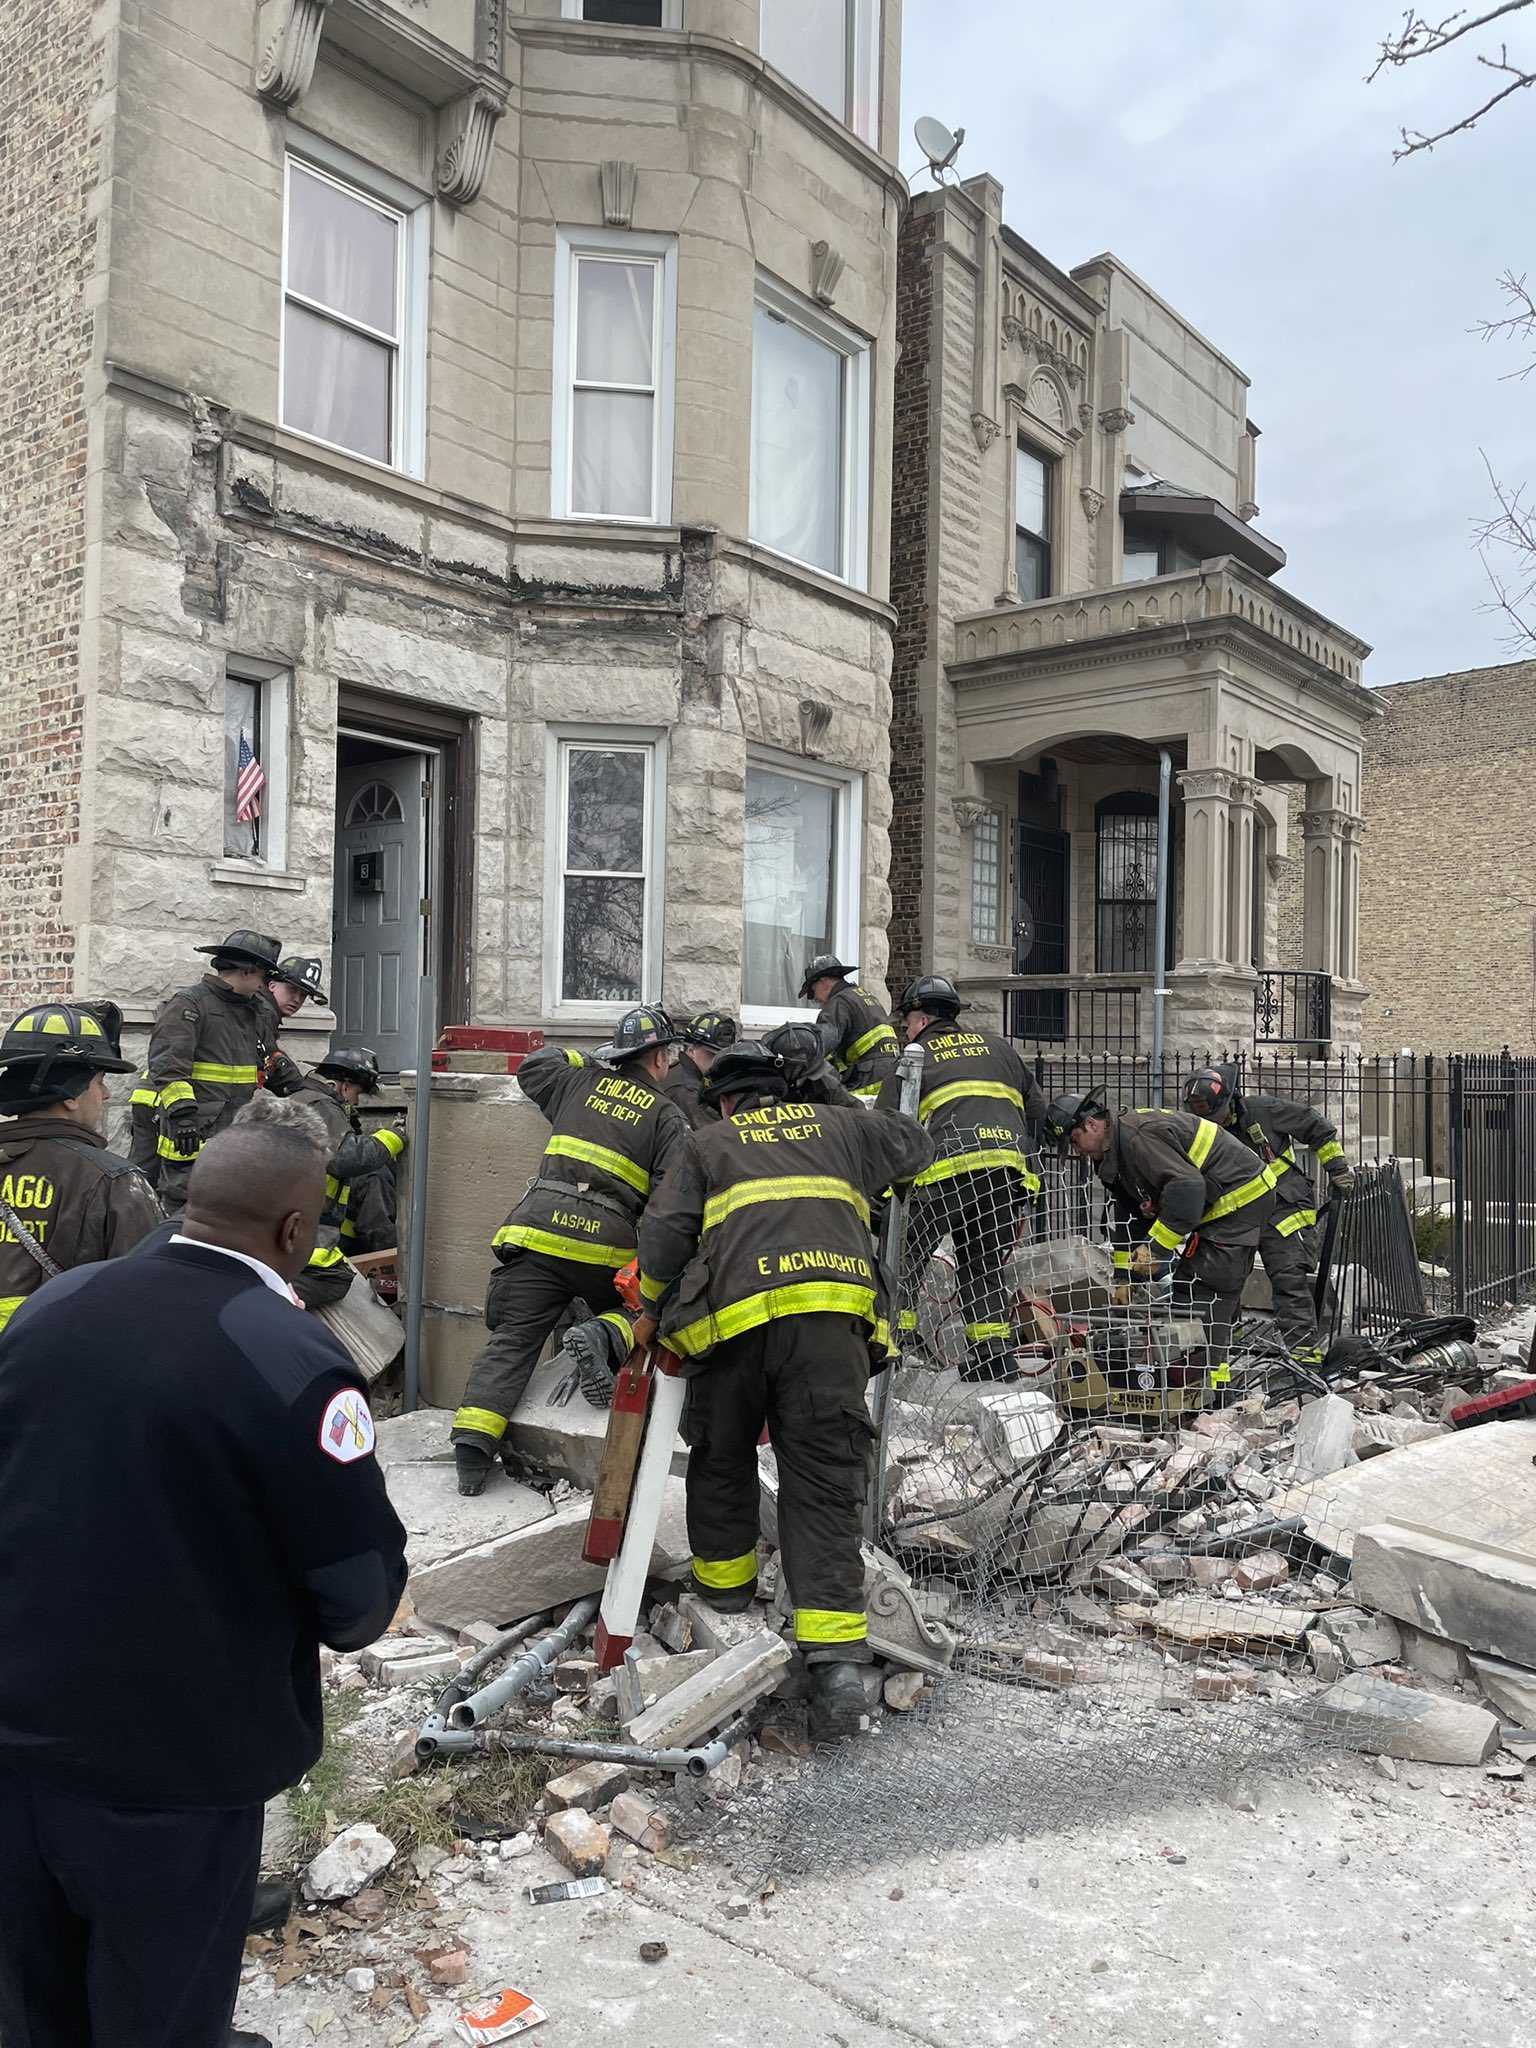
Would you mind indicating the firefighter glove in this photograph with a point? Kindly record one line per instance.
(1344, 1180)
(283, 1075)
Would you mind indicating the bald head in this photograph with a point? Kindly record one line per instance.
(259, 1188)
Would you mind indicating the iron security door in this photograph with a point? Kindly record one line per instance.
(1040, 899)
(380, 888)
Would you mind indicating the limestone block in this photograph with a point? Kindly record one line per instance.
(167, 669)
(382, 656)
(1396, 1720)
(1325, 1437)
(345, 1865)
(417, 1461)
(575, 1839)
(274, 625)
(1467, 1592)
(641, 1681)
(372, 1337)
(140, 589)
(713, 1696)
(159, 742)
(350, 514)
(589, 1787)
(1475, 1483)
(616, 573)
(709, 1629)
(1510, 1688)
(899, 1631)
(1433, 1656)
(567, 1441)
(459, 549)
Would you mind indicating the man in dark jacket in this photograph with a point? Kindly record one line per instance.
(65, 1200)
(1272, 1127)
(613, 1138)
(186, 1463)
(859, 1037)
(755, 1256)
(205, 1052)
(698, 1040)
(978, 1101)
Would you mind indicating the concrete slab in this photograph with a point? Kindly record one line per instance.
(1466, 1592)
(1509, 1687)
(440, 1522)
(566, 1441)
(701, 1704)
(1479, 1484)
(1397, 1720)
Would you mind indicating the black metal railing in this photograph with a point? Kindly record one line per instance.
(1096, 1018)
(1291, 1008)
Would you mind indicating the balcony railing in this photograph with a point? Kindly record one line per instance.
(1094, 1018)
(1293, 1009)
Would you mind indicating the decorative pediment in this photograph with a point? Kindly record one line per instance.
(1045, 401)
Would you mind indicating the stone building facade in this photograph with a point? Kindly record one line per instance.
(1081, 591)
(1448, 899)
(481, 415)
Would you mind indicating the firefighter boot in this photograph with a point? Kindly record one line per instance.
(473, 1464)
(839, 1705)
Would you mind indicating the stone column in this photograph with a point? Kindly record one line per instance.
(1349, 901)
(1208, 795)
(1323, 883)
(1240, 872)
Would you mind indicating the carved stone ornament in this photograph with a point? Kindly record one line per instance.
(1015, 333)
(1247, 510)
(998, 955)
(1093, 501)
(287, 63)
(466, 129)
(969, 812)
(1117, 419)
(489, 31)
(826, 269)
(985, 429)
(618, 180)
(898, 1628)
(815, 720)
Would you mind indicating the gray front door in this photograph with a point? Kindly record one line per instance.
(379, 941)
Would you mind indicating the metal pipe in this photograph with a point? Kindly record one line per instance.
(522, 1742)
(1160, 932)
(416, 1254)
(462, 1684)
(479, 1707)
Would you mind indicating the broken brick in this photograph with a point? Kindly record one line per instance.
(574, 1838)
(590, 1787)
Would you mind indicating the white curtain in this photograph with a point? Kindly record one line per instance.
(797, 443)
(788, 883)
(343, 254)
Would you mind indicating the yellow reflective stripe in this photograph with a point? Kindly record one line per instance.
(348, 1228)
(332, 1187)
(226, 1077)
(828, 1625)
(866, 1093)
(604, 1156)
(1289, 1155)
(1332, 1150)
(618, 1322)
(1299, 1219)
(651, 1290)
(169, 1149)
(979, 1162)
(906, 1320)
(9, 1303)
(801, 1298)
(1161, 1235)
(860, 1046)
(327, 1255)
(392, 1141)
(572, 1058)
(1250, 1191)
(1121, 1261)
(794, 1187)
(144, 1097)
(729, 1573)
(484, 1420)
(976, 1331)
(1201, 1143)
(955, 1090)
(532, 1240)
(176, 1091)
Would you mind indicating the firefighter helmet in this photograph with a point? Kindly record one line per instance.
(303, 972)
(800, 1046)
(1212, 1092)
(745, 1068)
(710, 1028)
(50, 1053)
(934, 993)
(1067, 1114)
(638, 1031)
(245, 949)
(110, 1018)
(351, 1063)
(825, 963)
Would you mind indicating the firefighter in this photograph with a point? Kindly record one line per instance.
(332, 1089)
(205, 1051)
(65, 1200)
(1192, 1194)
(614, 1135)
(858, 1035)
(1272, 1127)
(978, 1100)
(755, 1257)
(699, 1039)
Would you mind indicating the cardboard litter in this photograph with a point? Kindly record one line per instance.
(498, 2018)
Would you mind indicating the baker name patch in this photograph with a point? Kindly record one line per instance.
(346, 1428)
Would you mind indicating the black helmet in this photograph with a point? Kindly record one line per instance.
(825, 963)
(301, 971)
(1065, 1114)
(800, 1046)
(710, 1027)
(638, 1031)
(110, 1018)
(1212, 1092)
(351, 1063)
(50, 1053)
(745, 1068)
(244, 949)
(935, 993)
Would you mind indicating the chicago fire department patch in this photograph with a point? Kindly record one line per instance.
(346, 1428)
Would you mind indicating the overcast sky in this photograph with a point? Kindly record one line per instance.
(1231, 153)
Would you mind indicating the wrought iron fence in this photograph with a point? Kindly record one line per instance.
(1108, 1019)
(1292, 1008)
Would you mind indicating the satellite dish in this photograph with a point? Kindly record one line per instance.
(937, 144)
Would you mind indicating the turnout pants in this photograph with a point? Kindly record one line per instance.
(804, 1376)
(527, 1296)
(1290, 1260)
(981, 1213)
(119, 1928)
(1215, 1278)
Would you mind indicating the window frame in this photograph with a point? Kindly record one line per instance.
(612, 244)
(857, 352)
(559, 740)
(1046, 542)
(274, 685)
(848, 867)
(989, 819)
(413, 210)
(860, 112)
(1125, 804)
(1168, 545)
(671, 15)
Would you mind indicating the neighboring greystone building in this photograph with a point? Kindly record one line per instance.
(1448, 900)
(483, 414)
(1079, 586)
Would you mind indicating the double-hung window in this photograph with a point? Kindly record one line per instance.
(831, 50)
(606, 868)
(1034, 479)
(615, 321)
(800, 879)
(354, 288)
(256, 762)
(809, 485)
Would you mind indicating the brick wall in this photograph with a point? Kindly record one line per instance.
(47, 89)
(910, 511)
(1448, 878)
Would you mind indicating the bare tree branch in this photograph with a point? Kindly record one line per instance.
(1519, 324)
(1512, 534)
(1421, 38)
